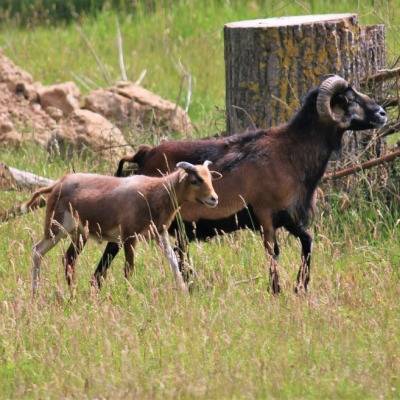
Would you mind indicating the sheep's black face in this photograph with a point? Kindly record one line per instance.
(358, 110)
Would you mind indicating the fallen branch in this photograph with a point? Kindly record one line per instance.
(13, 177)
(382, 75)
(366, 165)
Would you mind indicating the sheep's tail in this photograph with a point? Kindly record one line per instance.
(35, 202)
(137, 158)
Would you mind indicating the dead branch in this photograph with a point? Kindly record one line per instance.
(382, 75)
(390, 129)
(15, 178)
(389, 102)
(366, 165)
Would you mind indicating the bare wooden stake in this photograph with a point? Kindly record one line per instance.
(173, 261)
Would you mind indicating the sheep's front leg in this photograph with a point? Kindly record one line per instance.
(173, 261)
(129, 245)
(109, 254)
(303, 276)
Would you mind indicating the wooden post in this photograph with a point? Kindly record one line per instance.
(272, 63)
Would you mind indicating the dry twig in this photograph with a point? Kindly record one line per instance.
(382, 75)
(366, 165)
(120, 53)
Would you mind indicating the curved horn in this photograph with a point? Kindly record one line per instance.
(207, 163)
(186, 166)
(328, 88)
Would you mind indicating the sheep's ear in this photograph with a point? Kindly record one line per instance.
(182, 176)
(215, 175)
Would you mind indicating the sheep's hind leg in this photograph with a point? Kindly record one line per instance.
(70, 257)
(129, 245)
(271, 248)
(38, 251)
(272, 254)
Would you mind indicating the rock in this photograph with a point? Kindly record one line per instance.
(12, 138)
(64, 96)
(29, 119)
(28, 90)
(166, 114)
(50, 116)
(6, 126)
(109, 104)
(128, 103)
(54, 113)
(86, 129)
(8, 134)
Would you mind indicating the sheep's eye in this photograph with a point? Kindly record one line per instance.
(196, 182)
(342, 100)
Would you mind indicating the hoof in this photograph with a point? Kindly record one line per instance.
(276, 288)
(300, 289)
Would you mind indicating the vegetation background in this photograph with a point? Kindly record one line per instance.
(231, 338)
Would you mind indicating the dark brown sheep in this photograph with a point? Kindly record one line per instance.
(269, 176)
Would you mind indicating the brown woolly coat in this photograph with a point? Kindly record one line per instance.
(110, 208)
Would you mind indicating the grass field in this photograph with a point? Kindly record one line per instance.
(231, 338)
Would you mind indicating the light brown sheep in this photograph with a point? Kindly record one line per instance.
(116, 210)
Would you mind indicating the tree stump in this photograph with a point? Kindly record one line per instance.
(272, 63)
